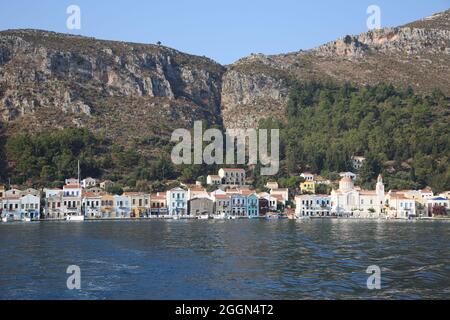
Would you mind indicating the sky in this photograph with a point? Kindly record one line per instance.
(222, 30)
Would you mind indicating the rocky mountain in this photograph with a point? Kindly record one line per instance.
(416, 55)
(128, 91)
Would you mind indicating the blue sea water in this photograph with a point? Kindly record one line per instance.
(239, 259)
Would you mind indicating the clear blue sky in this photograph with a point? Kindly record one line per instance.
(222, 30)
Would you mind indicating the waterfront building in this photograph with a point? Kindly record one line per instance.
(238, 204)
(314, 205)
(222, 204)
(213, 180)
(252, 205)
(263, 206)
(92, 204)
(349, 200)
(140, 203)
(11, 206)
(283, 192)
(88, 183)
(53, 207)
(271, 202)
(158, 204)
(437, 206)
(177, 199)
(107, 205)
(308, 187)
(122, 208)
(200, 206)
(30, 206)
(232, 177)
(72, 199)
(197, 192)
(399, 206)
(2, 191)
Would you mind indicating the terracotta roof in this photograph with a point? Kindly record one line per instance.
(72, 186)
(346, 179)
(214, 177)
(222, 196)
(233, 169)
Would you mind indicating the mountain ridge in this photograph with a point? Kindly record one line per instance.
(53, 80)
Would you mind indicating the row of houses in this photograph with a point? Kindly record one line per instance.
(21, 203)
(77, 198)
(351, 201)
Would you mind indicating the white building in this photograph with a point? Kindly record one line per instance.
(92, 203)
(283, 192)
(30, 206)
(426, 194)
(88, 183)
(400, 206)
(351, 201)
(71, 199)
(122, 206)
(177, 201)
(313, 205)
(213, 180)
(232, 177)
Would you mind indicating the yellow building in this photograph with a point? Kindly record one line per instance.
(308, 187)
(107, 204)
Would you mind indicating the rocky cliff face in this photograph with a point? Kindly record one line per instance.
(416, 55)
(131, 91)
(58, 80)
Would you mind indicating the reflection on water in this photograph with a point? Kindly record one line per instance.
(225, 259)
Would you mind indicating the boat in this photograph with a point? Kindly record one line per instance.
(175, 217)
(8, 218)
(26, 219)
(219, 216)
(203, 217)
(74, 217)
